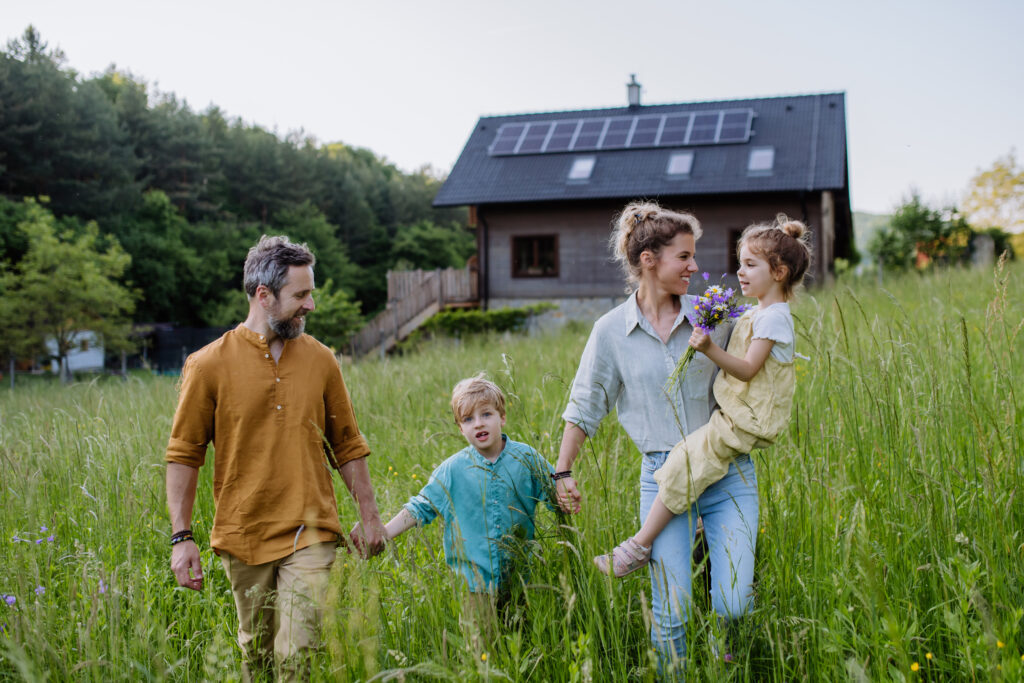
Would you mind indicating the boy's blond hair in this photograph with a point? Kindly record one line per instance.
(473, 392)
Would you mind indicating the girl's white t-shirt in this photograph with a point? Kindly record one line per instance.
(775, 322)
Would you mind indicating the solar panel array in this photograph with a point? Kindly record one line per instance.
(624, 132)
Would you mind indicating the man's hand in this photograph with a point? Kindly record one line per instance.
(568, 495)
(368, 539)
(186, 565)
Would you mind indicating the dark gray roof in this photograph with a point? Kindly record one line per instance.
(807, 132)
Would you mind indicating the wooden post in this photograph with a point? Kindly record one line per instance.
(440, 290)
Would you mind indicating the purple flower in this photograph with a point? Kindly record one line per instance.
(38, 541)
(43, 529)
(705, 275)
(16, 539)
(713, 307)
(103, 587)
(40, 590)
(10, 600)
(51, 538)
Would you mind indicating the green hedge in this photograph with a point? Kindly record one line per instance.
(462, 323)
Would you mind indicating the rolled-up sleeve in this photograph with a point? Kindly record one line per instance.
(596, 386)
(341, 429)
(193, 424)
(434, 498)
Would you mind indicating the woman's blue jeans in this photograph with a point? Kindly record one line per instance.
(729, 508)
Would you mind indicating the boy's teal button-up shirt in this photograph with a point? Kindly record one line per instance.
(480, 502)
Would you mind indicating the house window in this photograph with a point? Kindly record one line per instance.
(679, 164)
(535, 256)
(761, 160)
(581, 169)
(734, 243)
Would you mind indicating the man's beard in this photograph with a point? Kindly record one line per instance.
(287, 328)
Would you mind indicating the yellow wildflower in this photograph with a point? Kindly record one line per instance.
(483, 656)
(928, 656)
(915, 666)
(999, 644)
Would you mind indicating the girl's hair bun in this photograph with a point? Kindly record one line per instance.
(794, 229)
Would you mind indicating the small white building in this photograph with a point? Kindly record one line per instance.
(86, 354)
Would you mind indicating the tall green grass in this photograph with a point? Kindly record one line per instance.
(892, 526)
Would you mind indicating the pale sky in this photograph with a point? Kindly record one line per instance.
(934, 89)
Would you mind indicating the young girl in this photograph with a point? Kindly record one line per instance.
(754, 391)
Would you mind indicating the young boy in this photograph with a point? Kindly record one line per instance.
(486, 491)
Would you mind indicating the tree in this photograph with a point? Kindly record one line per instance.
(427, 245)
(336, 317)
(65, 286)
(995, 198)
(920, 236)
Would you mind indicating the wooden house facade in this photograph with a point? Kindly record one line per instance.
(544, 189)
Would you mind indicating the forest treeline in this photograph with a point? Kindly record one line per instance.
(186, 193)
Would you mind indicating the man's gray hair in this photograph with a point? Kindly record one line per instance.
(268, 262)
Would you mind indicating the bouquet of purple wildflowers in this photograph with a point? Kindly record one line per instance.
(716, 305)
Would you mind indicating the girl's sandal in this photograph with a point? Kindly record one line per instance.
(627, 557)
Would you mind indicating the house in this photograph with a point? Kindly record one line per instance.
(543, 189)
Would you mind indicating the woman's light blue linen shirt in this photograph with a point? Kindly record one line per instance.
(481, 502)
(625, 365)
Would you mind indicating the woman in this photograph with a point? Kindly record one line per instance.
(626, 364)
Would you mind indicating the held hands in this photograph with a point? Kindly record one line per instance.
(368, 540)
(568, 495)
(186, 565)
(700, 340)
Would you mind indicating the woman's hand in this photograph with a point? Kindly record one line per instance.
(700, 339)
(568, 495)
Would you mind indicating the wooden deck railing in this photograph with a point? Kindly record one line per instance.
(414, 296)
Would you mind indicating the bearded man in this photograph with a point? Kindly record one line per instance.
(273, 402)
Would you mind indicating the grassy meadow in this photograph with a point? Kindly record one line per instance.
(891, 544)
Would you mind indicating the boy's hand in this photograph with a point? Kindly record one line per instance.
(700, 340)
(568, 495)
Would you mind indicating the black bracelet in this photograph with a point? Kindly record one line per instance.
(565, 474)
(181, 537)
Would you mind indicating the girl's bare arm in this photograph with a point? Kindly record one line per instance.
(743, 369)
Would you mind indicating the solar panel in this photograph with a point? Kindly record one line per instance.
(735, 126)
(507, 139)
(562, 135)
(646, 131)
(677, 129)
(705, 128)
(590, 134)
(617, 133)
(536, 135)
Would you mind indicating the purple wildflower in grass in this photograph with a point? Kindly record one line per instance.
(716, 305)
(103, 587)
(38, 541)
(10, 600)
(17, 539)
(43, 529)
(51, 538)
(40, 590)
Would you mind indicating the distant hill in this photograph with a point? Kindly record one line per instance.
(865, 225)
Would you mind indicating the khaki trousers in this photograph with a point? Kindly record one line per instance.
(279, 607)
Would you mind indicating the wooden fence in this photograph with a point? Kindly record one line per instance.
(414, 296)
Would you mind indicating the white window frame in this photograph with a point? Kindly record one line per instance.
(761, 161)
(680, 164)
(582, 168)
